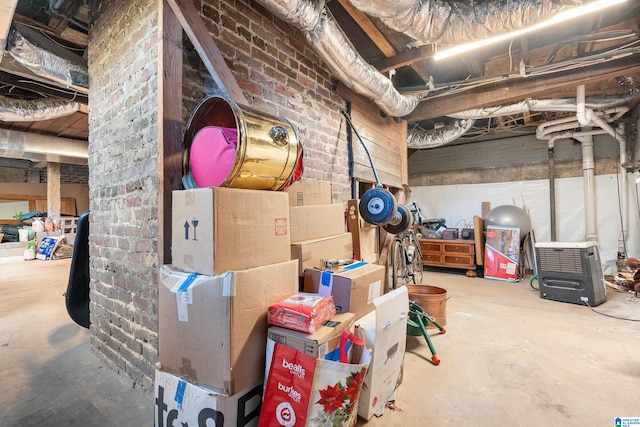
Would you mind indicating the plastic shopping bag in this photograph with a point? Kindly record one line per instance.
(333, 397)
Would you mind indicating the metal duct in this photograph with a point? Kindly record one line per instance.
(20, 110)
(324, 34)
(419, 138)
(36, 147)
(455, 22)
(45, 63)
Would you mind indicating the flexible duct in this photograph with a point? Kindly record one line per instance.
(326, 37)
(456, 22)
(419, 138)
(45, 63)
(20, 110)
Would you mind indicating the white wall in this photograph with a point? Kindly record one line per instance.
(459, 203)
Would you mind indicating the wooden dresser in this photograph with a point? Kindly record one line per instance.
(449, 253)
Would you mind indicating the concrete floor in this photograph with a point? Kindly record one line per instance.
(508, 358)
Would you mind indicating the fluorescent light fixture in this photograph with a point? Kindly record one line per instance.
(560, 17)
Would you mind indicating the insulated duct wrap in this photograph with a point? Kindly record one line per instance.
(326, 37)
(529, 105)
(43, 62)
(20, 110)
(455, 22)
(419, 138)
(352, 70)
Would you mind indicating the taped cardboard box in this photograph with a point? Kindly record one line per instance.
(304, 193)
(310, 252)
(316, 221)
(384, 331)
(323, 341)
(181, 403)
(220, 229)
(212, 329)
(353, 289)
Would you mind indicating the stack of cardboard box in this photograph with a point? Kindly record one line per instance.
(317, 225)
(235, 252)
(231, 261)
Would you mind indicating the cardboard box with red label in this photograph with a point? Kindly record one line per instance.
(219, 229)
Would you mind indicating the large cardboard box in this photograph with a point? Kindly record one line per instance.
(212, 329)
(310, 252)
(353, 289)
(320, 343)
(316, 221)
(309, 193)
(220, 229)
(384, 331)
(181, 403)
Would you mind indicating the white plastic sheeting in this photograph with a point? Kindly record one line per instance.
(457, 204)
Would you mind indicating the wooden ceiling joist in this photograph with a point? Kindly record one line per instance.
(376, 35)
(516, 89)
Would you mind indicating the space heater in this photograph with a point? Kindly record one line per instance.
(570, 272)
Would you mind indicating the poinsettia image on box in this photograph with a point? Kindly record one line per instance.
(340, 402)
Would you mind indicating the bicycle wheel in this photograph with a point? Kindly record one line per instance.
(417, 262)
(398, 265)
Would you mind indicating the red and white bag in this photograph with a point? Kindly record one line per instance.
(328, 396)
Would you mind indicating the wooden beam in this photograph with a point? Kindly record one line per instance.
(69, 34)
(197, 32)
(369, 28)
(170, 122)
(518, 88)
(405, 58)
(375, 34)
(53, 190)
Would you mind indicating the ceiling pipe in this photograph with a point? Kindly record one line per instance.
(22, 110)
(47, 64)
(455, 22)
(582, 113)
(561, 128)
(421, 139)
(328, 40)
(37, 147)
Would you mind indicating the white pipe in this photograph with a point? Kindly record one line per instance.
(554, 126)
(588, 171)
(623, 193)
(582, 113)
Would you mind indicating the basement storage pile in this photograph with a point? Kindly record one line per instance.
(231, 263)
(244, 258)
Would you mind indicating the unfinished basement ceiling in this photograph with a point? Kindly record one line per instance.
(600, 50)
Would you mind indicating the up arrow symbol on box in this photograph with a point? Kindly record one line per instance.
(186, 230)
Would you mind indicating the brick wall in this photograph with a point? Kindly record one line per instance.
(123, 186)
(278, 74)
